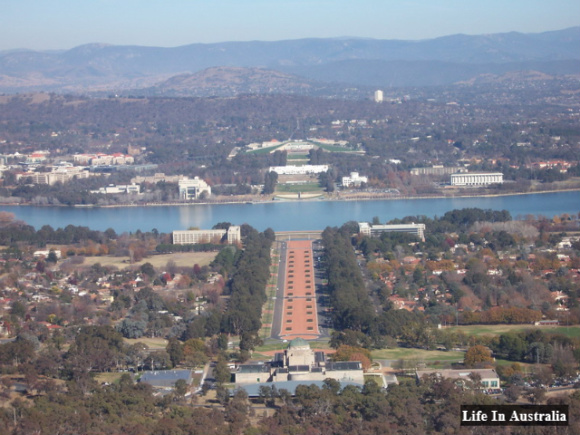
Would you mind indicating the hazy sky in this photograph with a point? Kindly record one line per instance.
(63, 24)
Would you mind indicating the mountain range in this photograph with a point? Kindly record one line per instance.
(293, 66)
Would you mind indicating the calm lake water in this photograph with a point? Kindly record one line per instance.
(285, 216)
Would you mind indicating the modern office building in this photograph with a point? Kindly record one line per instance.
(476, 179)
(379, 96)
(192, 237)
(190, 189)
(367, 229)
(438, 170)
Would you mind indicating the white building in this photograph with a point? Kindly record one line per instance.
(59, 174)
(299, 170)
(192, 188)
(476, 179)
(192, 237)
(379, 96)
(111, 189)
(354, 180)
(367, 229)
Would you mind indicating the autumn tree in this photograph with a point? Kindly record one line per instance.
(477, 356)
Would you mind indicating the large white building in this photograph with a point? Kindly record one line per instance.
(367, 229)
(299, 363)
(192, 188)
(111, 189)
(299, 170)
(192, 237)
(60, 174)
(354, 180)
(476, 179)
(379, 96)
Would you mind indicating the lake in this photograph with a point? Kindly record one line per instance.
(286, 216)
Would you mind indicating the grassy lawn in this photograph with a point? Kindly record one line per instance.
(335, 149)
(109, 377)
(295, 188)
(268, 307)
(181, 259)
(569, 331)
(153, 343)
(264, 150)
(298, 157)
(417, 354)
(269, 347)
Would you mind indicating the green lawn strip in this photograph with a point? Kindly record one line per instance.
(295, 188)
(264, 150)
(281, 345)
(417, 354)
(526, 367)
(335, 149)
(569, 331)
(268, 307)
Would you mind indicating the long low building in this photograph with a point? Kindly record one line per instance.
(367, 229)
(299, 170)
(476, 179)
(192, 237)
(488, 377)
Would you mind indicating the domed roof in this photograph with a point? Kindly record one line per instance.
(298, 342)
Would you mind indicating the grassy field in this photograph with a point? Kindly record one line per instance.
(109, 377)
(417, 354)
(295, 188)
(298, 157)
(569, 331)
(153, 343)
(265, 150)
(269, 347)
(181, 259)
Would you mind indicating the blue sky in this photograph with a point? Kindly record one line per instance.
(63, 24)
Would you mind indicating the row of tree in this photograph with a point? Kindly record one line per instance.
(349, 298)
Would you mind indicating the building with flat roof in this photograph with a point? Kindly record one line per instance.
(438, 170)
(299, 170)
(192, 237)
(489, 377)
(165, 379)
(354, 180)
(191, 189)
(476, 179)
(300, 363)
(370, 230)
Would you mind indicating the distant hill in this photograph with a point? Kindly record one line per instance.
(363, 62)
(227, 81)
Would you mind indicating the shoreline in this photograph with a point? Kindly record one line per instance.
(273, 200)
